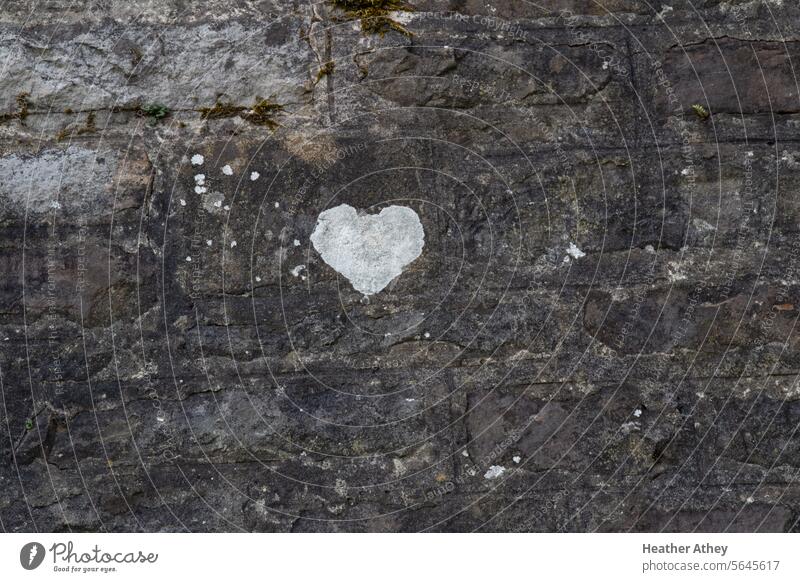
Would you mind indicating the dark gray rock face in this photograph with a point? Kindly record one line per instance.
(599, 335)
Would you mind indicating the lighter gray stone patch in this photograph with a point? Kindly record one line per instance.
(72, 179)
(370, 250)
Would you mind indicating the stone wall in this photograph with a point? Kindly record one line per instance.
(599, 334)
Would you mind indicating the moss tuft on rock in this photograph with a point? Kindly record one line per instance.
(155, 111)
(262, 112)
(375, 14)
(221, 110)
(21, 111)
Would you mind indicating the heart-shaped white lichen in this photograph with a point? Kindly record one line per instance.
(369, 249)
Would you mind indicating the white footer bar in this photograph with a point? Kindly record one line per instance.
(379, 557)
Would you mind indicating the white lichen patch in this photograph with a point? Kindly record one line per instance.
(494, 472)
(664, 11)
(296, 271)
(370, 250)
(674, 272)
(254, 176)
(702, 226)
(227, 170)
(629, 427)
(574, 252)
(197, 160)
(212, 202)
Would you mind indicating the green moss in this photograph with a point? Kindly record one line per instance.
(374, 14)
(701, 111)
(156, 111)
(21, 111)
(29, 424)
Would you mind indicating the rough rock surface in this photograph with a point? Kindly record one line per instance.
(599, 334)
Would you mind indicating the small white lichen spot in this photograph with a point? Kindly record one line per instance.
(197, 160)
(494, 472)
(209, 242)
(427, 335)
(183, 202)
(254, 176)
(464, 453)
(200, 189)
(200, 179)
(674, 272)
(258, 279)
(188, 259)
(233, 243)
(297, 269)
(649, 249)
(227, 170)
(226, 207)
(218, 203)
(574, 251)
(637, 413)
(277, 205)
(516, 459)
(627, 427)
(296, 243)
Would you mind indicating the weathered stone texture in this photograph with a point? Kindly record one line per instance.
(164, 369)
